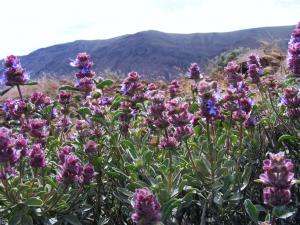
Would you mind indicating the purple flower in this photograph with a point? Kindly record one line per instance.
(106, 101)
(85, 85)
(37, 156)
(291, 100)
(88, 173)
(146, 207)
(90, 147)
(130, 84)
(64, 123)
(183, 132)
(14, 74)
(66, 150)
(64, 97)
(293, 58)
(5, 138)
(233, 77)
(169, 142)
(22, 145)
(253, 59)
(39, 99)
(276, 196)
(15, 108)
(174, 88)
(38, 128)
(278, 178)
(194, 72)
(70, 171)
(250, 122)
(246, 104)
(6, 172)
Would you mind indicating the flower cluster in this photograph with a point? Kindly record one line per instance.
(194, 72)
(40, 100)
(71, 169)
(14, 73)
(84, 77)
(130, 85)
(146, 207)
(236, 99)
(208, 95)
(14, 109)
(174, 88)
(278, 179)
(254, 68)
(8, 153)
(294, 52)
(38, 128)
(233, 77)
(37, 156)
(291, 99)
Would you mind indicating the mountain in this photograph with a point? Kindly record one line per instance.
(151, 53)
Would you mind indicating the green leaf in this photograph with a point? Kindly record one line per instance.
(246, 176)
(72, 220)
(193, 107)
(84, 111)
(34, 202)
(104, 83)
(17, 214)
(26, 219)
(68, 88)
(2, 93)
(251, 210)
(283, 212)
(31, 83)
(287, 138)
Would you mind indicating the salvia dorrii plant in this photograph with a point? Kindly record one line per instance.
(103, 152)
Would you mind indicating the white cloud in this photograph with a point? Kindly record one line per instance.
(31, 24)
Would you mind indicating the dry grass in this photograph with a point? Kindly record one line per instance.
(45, 85)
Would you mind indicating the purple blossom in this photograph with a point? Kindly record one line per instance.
(37, 156)
(106, 101)
(276, 196)
(66, 150)
(291, 100)
(85, 85)
(7, 171)
(278, 178)
(130, 84)
(293, 58)
(38, 128)
(70, 171)
(22, 145)
(15, 108)
(194, 72)
(169, 142)
(64, 123)
(14, 74)
(182, 133)
(250, 122)
(174, 88)
(91, 147)
(88, 173)
(146, 207)
(233, 77)
(39, 99)
(64, 97)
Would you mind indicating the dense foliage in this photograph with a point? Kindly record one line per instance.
(148, 156)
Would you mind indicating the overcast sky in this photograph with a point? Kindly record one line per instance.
(27, 25)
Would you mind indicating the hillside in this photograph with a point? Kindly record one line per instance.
(152, 53)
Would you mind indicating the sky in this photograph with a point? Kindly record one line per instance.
(31, 24)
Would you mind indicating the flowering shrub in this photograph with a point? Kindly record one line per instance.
(147, 155)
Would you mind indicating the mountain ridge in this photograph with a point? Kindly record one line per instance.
(152, 53)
